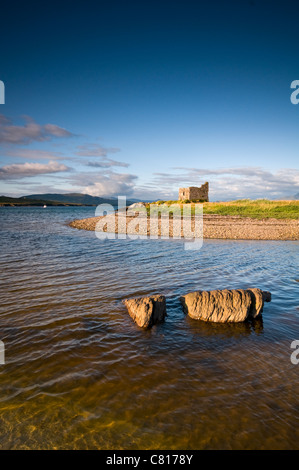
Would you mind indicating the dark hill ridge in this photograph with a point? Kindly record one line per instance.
(73, 198)
(16, 201)
(77, 198)
(54, 199)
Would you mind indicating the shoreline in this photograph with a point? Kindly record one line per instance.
(214, 227)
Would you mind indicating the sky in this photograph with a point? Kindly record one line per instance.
(139, 98)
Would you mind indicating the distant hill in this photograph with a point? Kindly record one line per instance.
(76, 198)
(55, 199)
(17, 201)
(71, 198)
(295, 197)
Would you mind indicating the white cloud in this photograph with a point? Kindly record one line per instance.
(94, 150)
(29, 132)
(34, 154)
(230, 183)
(23, 170)
(104, 183)
(107, 163)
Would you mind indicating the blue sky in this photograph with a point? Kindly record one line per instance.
(139, 98)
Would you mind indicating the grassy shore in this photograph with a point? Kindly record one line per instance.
(256, 209)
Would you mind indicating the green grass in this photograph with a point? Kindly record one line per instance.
(256, 209)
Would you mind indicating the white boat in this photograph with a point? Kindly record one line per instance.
(45, 206)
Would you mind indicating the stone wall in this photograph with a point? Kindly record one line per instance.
(194, 193)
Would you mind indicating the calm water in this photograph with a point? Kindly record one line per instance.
(80, 374)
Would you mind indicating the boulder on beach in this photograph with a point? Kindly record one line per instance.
(236, 305)
(147, 311)
(136, 208)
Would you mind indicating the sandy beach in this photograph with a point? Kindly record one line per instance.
(214, 227)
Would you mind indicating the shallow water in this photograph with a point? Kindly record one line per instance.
(80, 374)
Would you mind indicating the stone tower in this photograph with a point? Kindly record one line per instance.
(195, 194)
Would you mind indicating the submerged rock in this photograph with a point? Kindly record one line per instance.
(147, 311)
(222, 306)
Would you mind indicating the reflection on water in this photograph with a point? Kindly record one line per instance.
(226, 329)
(80, 374)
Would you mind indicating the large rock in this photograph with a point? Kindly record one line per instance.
(146, 311)
(135, 208)
(136, 205)
(222, 306)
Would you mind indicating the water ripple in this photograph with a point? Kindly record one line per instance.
(80, 374)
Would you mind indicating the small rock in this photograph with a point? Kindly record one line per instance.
(266, 296)
(223, 306)
(147, 311)
(257, 302)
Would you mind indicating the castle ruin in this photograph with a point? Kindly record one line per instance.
(195, 194)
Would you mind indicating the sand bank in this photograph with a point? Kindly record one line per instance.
(214, 226)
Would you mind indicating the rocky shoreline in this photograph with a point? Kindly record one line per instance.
(214, 227)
